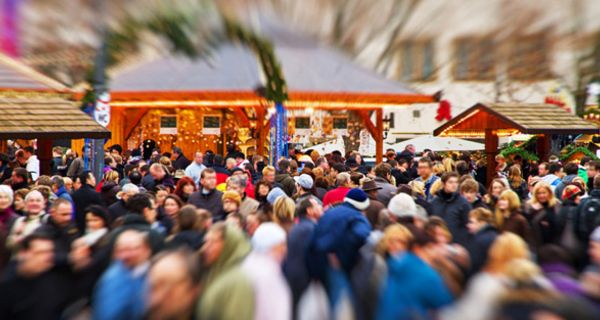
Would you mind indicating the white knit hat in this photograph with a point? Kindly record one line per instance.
(266, 236)
(402, 205)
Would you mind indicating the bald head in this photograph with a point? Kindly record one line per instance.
(132, 248)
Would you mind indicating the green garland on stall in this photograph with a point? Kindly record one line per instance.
(570, 150)
(275, 89)
(511, 149)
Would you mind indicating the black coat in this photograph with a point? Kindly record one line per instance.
(181, 162)
(42, 297)
(117, 210)
(479, 246)
(454, 209)
(83, 198)
(401, 177)
(189, 238)
(211, 202)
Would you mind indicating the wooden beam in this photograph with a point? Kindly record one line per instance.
(366, 118)
(132, 122)
(379, 139)
(543, 147)
(242, 117)
(44, 151)
(491, 150)
(260, 127)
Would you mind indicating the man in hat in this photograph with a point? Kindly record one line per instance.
(373, 211)
(340, 233)
(304, 184)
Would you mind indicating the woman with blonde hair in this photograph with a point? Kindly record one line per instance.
(395, 241)
(508, 217)
(517, 183)
(480, 300)
(542, 211)
(448, 164)
(439, 169)
(283, 212)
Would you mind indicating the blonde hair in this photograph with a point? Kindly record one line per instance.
(439, 169)
(283, 210)
(514, 176)
(418, 187)
(435, 187)
(514, 203)
(449, 165)
(522, 270)
(392, 232)
(318, 172)
(482, 215)
(268, 169)
(542, 185)
(111, 176)
(506, 248)
(165, 161)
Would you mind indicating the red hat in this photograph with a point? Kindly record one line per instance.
(570, 192)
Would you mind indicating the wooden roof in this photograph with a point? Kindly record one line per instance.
(513, 117)
(46, 117)
(15, 76)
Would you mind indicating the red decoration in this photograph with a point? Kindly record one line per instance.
(444, 111)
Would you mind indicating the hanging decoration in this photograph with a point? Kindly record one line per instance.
(444, 111)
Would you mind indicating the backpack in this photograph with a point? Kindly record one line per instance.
(587, 218)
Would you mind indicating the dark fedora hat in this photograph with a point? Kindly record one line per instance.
(369, 185)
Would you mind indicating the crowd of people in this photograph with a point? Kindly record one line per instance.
(317, 236)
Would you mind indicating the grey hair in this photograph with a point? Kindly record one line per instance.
(241, 181)
(58, 181)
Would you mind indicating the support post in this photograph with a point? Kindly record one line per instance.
(260, 127)
(379, 137)
(543, 147)
(491, 150)
(44, 151)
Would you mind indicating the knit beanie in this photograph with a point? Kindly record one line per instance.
(402, 205)
(358, 199)
(570, 192)
(274, 194)
(233, 196)
(266, 236)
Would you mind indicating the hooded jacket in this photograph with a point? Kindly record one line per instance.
(287, 183)
(228, 292)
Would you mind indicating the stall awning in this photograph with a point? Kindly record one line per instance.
(512, 118)
(45, 117)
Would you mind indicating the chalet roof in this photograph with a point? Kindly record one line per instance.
(16, 76)
(526, 118)
(45, 117)
(229, 68)
(311, 66)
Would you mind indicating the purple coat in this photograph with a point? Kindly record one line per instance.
(562, 278)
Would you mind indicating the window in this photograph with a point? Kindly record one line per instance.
(528, 59)
(168, 125)
(474, 59)
(302, 123)
(211, 125)
(417, 60)
(340, 123)
(392, 120)
(416, 113)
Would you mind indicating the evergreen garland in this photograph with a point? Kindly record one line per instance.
(512, 149)
(570, 150)
(275, 89)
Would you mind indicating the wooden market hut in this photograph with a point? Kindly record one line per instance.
(191, 103)
(223, 89)
(33, 106)
(321, 77)
(493, 120)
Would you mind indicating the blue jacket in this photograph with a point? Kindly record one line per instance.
(342, 230)
(411, 290)
(119, 294)
(63, 193)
